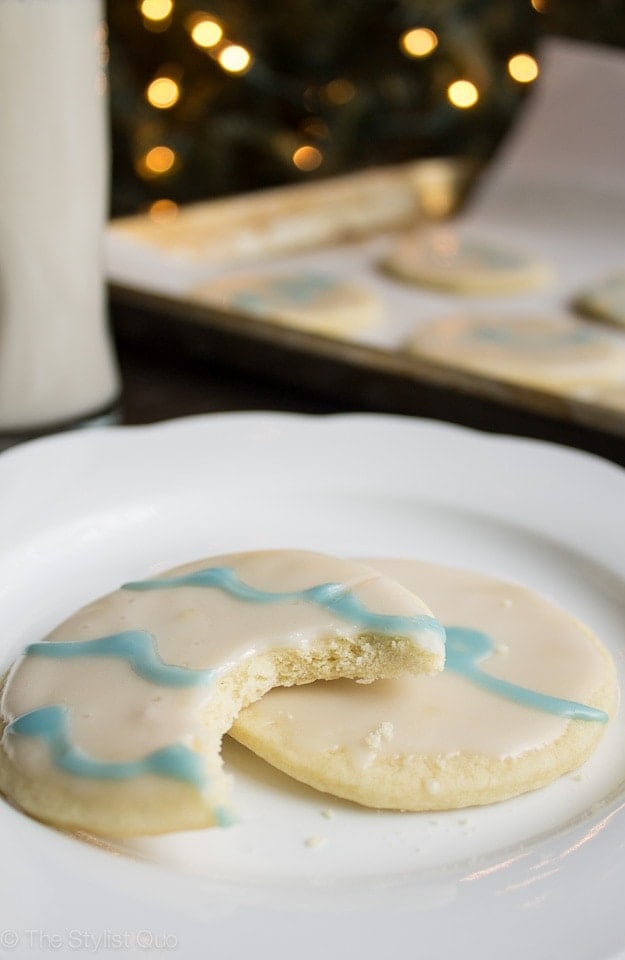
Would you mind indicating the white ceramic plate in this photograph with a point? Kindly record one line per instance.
(540, 876)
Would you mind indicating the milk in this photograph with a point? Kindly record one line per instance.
(56, 359)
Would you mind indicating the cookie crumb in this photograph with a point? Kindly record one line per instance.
(316, 841)
(502, 648)
(383, 731)
(327, 813)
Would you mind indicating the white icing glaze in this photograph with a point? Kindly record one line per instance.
(538, 646)
(446, 258)
(305, 300)
(116, 715)
(547, 352)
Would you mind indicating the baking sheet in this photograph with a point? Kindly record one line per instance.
(556, 189)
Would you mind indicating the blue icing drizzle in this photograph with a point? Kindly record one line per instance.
(493, 256)
(334, 597)
(138, 647)
(302, 289)
(224, 817)
(467, 647)
(51, 725)
(546, 339)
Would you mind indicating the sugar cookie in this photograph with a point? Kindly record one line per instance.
(113, 724)
(550, 353)
(612, 395)
(457, 263)
(307, 300)
(605, 300)
(493, 725)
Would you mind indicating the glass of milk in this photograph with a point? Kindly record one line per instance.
(57, 366)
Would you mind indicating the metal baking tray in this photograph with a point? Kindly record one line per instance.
(153, 268)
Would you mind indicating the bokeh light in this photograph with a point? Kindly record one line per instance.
(462, 94)
(163, 93)
(419, 42)
(523, 68)
(339, 91)
(307, 158)
(234, 58)
(163, 211)
(315, 128)
(206, 32)
(157, 161)
(157, 9)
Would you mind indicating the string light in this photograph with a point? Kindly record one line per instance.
(303, 140)
(540, 6)
(163, 93)
(316, 128)
(157, 10)
(163, 211)
(462, 94)
(418, 42)
(206, 32)
(307, 158)
(339, 91)
(156, 162)
(234, 58)
(523, 68)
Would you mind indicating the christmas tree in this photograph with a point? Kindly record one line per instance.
(227, 96)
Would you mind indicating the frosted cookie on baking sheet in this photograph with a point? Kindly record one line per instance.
(605, 300)
(457, 263)
(550, 353)
(524, 698)
(306, 300)
(611, 395)
(113, 723)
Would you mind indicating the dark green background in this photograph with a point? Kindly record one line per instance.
(229, 132)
